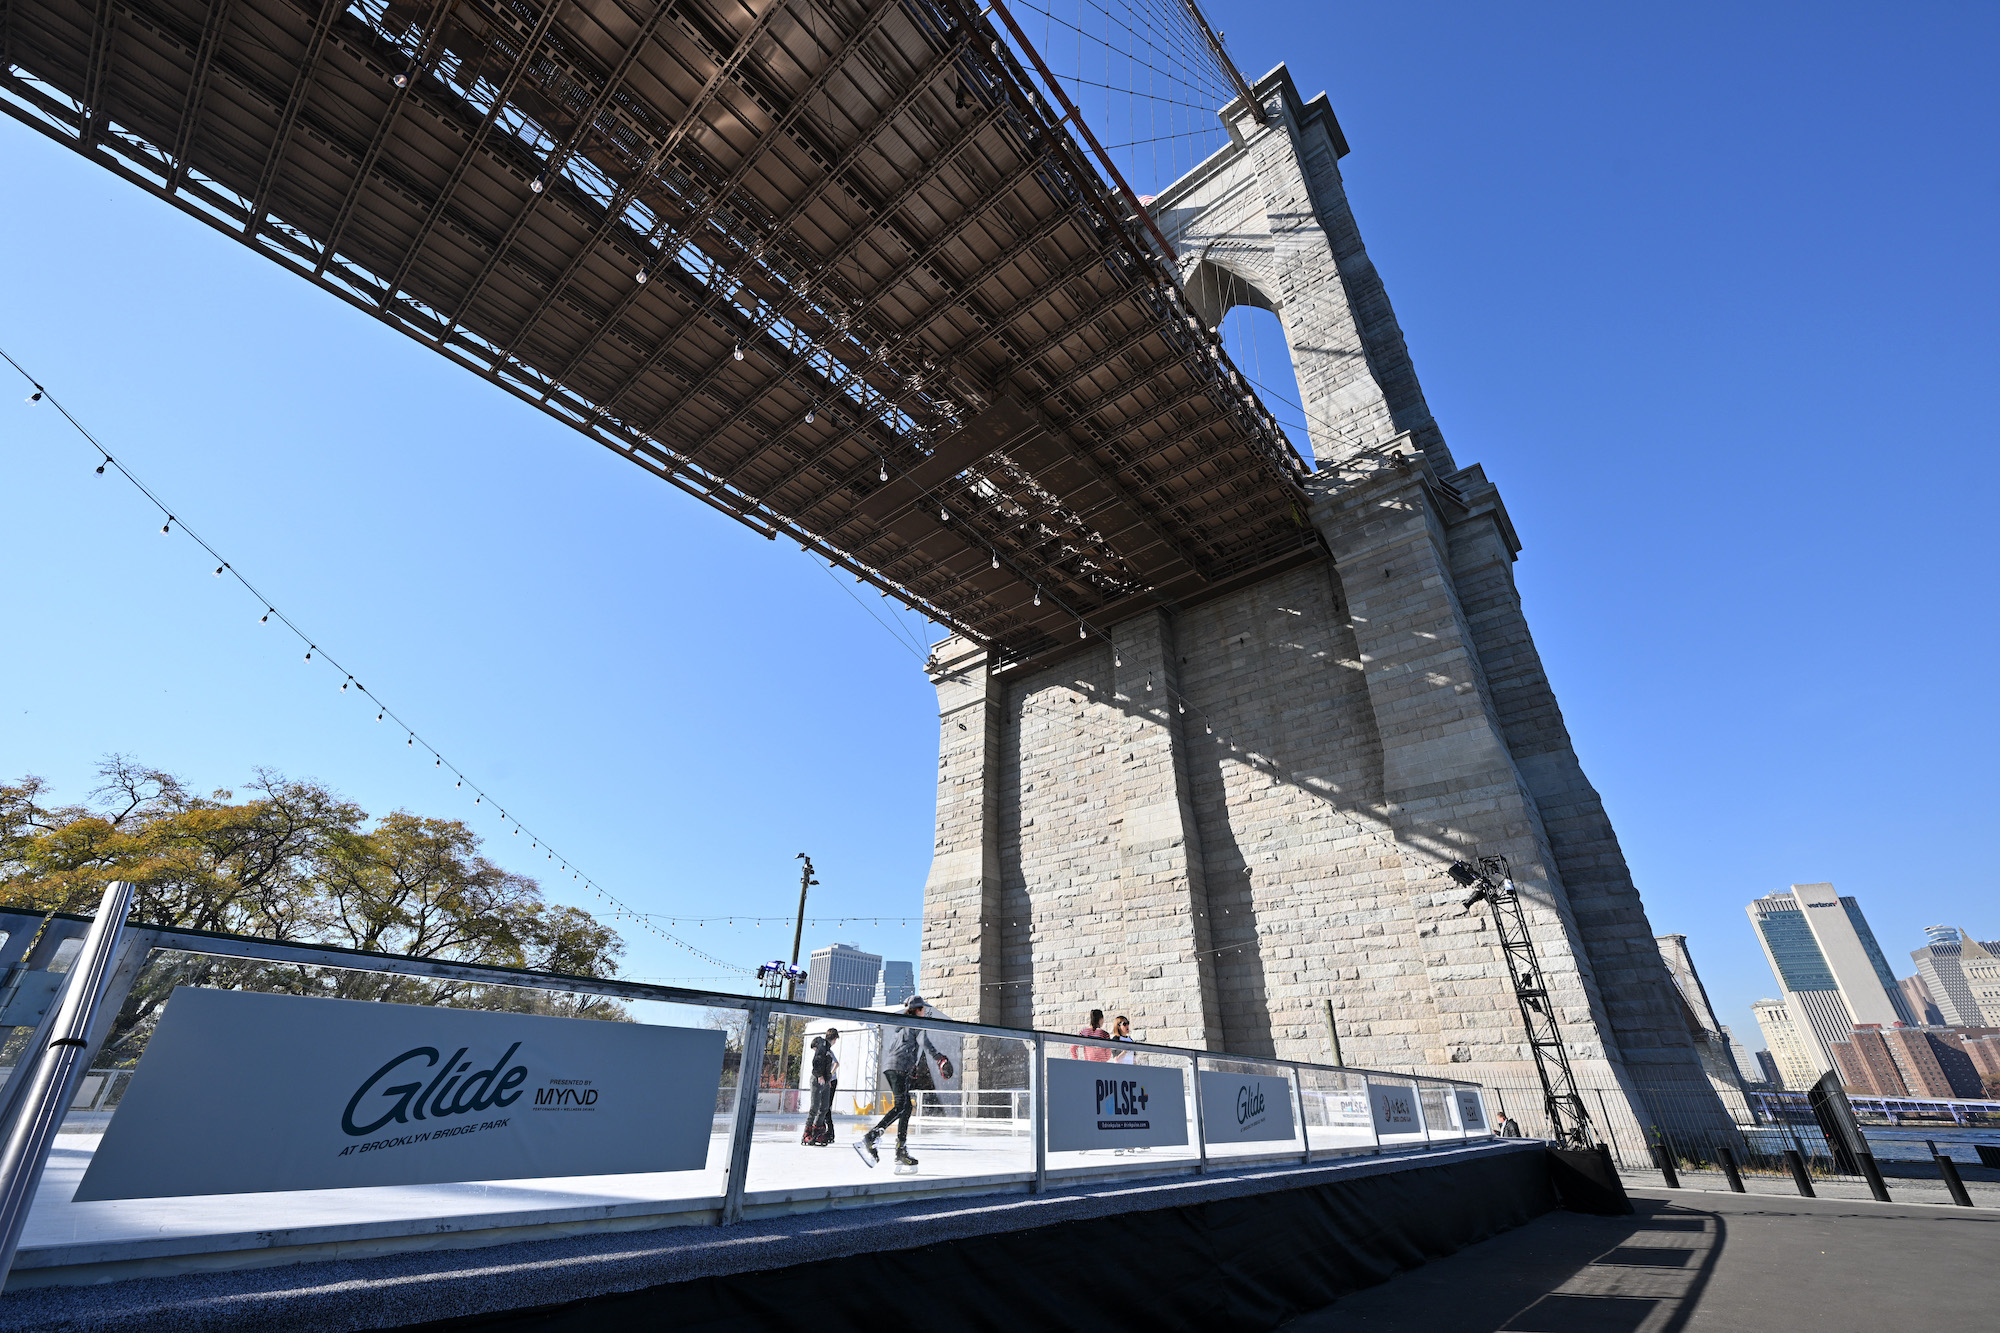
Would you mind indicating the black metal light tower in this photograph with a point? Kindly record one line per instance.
(1569, 1119)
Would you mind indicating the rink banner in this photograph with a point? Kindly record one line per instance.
(241, 1092)
(1395, 1107)
(1245, 1108)
(1097, 1104)
(1471, 1111)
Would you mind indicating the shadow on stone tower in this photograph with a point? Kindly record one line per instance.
(1239, 808)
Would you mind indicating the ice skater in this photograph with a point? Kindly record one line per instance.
(900, 1054)
(825, 1071)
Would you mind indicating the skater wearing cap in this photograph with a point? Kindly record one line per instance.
(819, 1120)
(900, 1054)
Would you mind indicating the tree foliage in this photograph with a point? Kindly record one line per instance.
(294, 861)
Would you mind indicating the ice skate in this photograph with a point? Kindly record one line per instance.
(905, 1164)
(865, 1150)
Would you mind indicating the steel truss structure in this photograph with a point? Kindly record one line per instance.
(835, 267)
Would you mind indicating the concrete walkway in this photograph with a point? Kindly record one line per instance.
(1696, 1262)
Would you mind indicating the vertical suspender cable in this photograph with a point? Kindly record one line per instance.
(53, 1074)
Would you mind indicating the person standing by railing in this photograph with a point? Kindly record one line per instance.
(1094, 1028)
(1121, 1030)
(825, 1069)
(900, 1054)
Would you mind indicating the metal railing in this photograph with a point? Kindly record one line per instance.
(1328, 1106)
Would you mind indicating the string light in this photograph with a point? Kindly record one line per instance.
(641, 276)
(402, 80)
(996, 560)
(809, 416)
(36, 396)
(219, 569)
(265, 619)
(1038, 594)
(166, 526)
(884, 474)
(100, 467)
(1080, 631)
(539, 183)
(739, 351)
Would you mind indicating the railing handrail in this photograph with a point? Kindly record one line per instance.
(187, 939)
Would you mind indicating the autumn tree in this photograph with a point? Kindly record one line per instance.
(294, 861)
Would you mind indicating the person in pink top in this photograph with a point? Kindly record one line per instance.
(1095, 1028)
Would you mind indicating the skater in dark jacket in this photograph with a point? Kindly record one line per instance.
(825, 1071)
(902, 1049)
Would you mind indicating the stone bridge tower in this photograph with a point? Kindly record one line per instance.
(1369, 717)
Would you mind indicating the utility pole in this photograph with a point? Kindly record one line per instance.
(806, 881)
(1492, 882)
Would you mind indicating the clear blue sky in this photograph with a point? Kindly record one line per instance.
(1710, 291)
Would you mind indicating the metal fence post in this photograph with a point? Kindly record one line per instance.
(1038, 1115)
(52, 1069)
(1952, 1180)
(1299, 1092)
(1798, 1169)
(749, 1075)
(1729, 1172)
(1200, 1130)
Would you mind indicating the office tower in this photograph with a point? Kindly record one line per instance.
(1769, 1066)
(1796, 1054)
(1739, 1055)
(844, 975)
(1831, 969)
(1981, 965)
(899, 983)
(1917, 995)
(1941, 965)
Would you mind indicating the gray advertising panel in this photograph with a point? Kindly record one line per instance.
(1245, 1108)
(1096, 1104)
(1471, 1111)
(1395, 1107)
(241, 1092)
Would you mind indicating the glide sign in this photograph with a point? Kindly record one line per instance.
(1245, 1108)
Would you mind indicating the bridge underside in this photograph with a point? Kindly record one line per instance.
(833, 267)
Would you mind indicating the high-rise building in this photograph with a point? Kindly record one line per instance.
(1833, 973)
(1795, 1053)
(899, 983)
(1739, 1055)
(1769, 1065)
(1941, 965)
(1981, 964)
(844, 975)
(1917, 995)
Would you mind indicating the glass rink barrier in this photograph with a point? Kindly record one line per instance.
(177, 1100)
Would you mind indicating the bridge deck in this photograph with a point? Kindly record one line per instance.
(833, 266)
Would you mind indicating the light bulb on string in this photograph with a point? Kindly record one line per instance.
(1038, 594)
(884, 474)
(739, 351)
(309, 654)
(166, 526)
(379, 716)
(1080, 631)
(100, 466)
(219, 569)
(641, 276)
(402, 80)
(345, 683)
(809, 416)
(265, 619)
(944, 515)
(477, 799)
(539, 183)
(36, 396)
(996, 560)
(1179, 707)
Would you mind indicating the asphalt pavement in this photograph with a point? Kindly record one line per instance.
(1696, 1262)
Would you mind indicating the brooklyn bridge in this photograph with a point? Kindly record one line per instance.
(1213, 716)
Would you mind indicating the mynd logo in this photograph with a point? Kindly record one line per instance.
(451, 1091)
